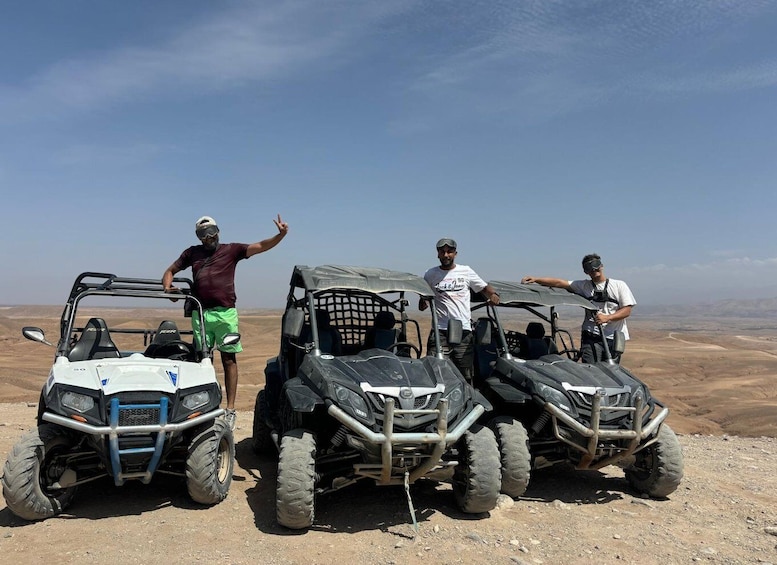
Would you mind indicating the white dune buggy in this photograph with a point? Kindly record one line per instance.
(120, 401)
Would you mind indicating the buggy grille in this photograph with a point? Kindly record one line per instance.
(137, 409)
(138, 416)
(618, 399)
(423, 402)
(426, 401)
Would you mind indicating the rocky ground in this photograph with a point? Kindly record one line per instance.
(725, 512)
(717, 377)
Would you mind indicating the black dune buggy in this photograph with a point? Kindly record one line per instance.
(350, 396)
(122, 399)
(549, 408)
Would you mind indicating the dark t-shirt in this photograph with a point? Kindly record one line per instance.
(213, 272)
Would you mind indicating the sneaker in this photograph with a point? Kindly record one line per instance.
(230, 417)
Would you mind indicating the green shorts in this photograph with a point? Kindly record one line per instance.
(219, 322)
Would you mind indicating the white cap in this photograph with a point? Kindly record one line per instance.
(205, 226)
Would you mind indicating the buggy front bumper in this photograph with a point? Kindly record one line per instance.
(388, 439)
(593, 456)
(163, 429)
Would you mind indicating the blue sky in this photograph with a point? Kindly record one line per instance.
(532, 132)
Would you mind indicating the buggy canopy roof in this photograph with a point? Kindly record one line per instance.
(515, 294)
(326, 277)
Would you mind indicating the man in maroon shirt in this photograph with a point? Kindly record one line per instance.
(213, 271)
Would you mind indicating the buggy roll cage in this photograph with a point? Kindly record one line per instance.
(352, 312)
(562, 334)
(531, 297)
(106, 284)
(342, 289)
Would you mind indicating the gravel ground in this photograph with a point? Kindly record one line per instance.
(725, 511)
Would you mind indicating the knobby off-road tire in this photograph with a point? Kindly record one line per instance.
(658, 468)
(295, 489)
(514, 454)
(261, 440)
(210, 462)
(30, 469)
(477, 477)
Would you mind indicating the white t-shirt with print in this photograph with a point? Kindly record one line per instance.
(451, 293)
(617, 290)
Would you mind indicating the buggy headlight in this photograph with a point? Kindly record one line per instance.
(455, 398)
(195, 400)
(347, 397)
(639, 394)
(556, 397)
(78, 402)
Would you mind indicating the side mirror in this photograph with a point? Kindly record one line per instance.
(618, 343)
(483, 333)
(293, 320)
(34, 334)
(455, 332)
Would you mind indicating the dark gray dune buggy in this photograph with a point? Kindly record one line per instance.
(351, 397)
(551, 409)
(121, 401)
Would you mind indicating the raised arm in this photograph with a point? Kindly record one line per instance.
(270, 242)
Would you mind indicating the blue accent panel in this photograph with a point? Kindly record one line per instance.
(113, 443)
(160, 437)
(119, 476)
(173, 377)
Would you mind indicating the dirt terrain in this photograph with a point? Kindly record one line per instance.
(718, 377)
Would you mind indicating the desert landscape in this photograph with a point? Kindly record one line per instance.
(717, 375)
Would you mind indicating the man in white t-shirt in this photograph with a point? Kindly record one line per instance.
(451, 284)
(614, 299)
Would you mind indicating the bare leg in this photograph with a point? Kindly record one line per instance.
(229, 362)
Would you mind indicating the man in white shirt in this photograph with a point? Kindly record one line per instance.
(614, 299)
(451, 284)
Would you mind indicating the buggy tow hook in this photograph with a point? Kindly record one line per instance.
(410, 501)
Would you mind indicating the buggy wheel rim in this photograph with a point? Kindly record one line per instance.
(222, 461)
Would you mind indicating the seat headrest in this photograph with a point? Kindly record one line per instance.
(94, 343)
(384, 320)
(167, 331)
(322, 318)
(535, 330)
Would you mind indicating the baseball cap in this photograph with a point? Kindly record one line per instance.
(205, 226)
(591, 265)
(446, 241)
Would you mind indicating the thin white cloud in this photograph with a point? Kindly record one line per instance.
(735, 277)
(758, 75)
(84, 154)
(250, 44)
(529, 59)
(545, 58)
(744, 266)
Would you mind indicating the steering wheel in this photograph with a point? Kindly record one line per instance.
(176, 350)
(397, 345)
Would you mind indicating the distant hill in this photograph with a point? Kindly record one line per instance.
(730, 308)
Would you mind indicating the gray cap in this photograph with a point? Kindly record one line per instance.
(446, 241)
